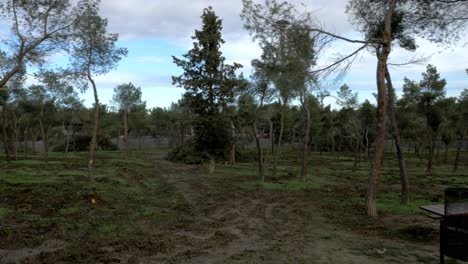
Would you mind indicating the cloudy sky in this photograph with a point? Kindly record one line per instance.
(155, 30)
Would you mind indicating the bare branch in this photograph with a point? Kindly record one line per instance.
(341, 60)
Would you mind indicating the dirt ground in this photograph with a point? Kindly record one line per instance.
(225, 223)
(234, 225)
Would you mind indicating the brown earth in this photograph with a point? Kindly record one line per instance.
(225, 223)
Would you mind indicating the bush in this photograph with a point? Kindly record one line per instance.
(187, 154)
(81, 143)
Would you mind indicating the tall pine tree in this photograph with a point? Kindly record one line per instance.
(209, 85)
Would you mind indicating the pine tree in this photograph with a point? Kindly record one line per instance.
(209, 85)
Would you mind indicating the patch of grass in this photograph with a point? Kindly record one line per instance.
(4, 212)
(390, 203)
(56, 197)
(287, 186)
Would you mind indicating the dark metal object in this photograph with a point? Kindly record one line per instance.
(454, 225)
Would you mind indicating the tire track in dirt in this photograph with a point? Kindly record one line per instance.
(233, 224)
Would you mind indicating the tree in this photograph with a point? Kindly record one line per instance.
(37, 28)
(209, 83)
(346, 98)
(431, 92)
(462, 125)
(278, 27)
(93, 52)
(126, 97)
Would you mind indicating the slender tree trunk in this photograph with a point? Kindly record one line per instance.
(45, 147)
(93, 143)
(33, 141)
(16, 131)
(332, 143)
(446, 152)
(5, 132)
(255, 133)
(305, 148)
(356, 147)
(431, 154)
(233, 144)
(211, 165)
(457, 155)
(67, 145)
(46, 143)
(398, 142)
(25, 140)
(272, 137)
(382, 55)
(126, 140)
(278, 146)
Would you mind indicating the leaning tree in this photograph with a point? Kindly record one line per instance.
(93, 52)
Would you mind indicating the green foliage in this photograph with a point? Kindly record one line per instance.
(209, 85)
(346, 97)
(186, 153)
(127, 96)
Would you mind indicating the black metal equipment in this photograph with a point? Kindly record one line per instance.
(454, 225)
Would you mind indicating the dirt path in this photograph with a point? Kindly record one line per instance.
(235, 225)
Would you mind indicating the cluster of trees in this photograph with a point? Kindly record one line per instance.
(291, 43)
(282, 101)
(43, 28)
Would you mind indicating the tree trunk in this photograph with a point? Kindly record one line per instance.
(398, 142)
(33, 141)
(457, 155)
(233, 144)
(356, 147)
(126, 140)
(211, 165)
(261, 172)
(305, 148)
(46, 143)
(446, 152)
(16, 131)
(25, 140)
(67, 143)
(45, 147)
(374, 171)
(93, 143)
(5, 132)
(278, 146)
(431, 154)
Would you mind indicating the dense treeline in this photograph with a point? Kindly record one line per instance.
(430, 123)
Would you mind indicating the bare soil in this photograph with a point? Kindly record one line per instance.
(233, 225)
(221, 222)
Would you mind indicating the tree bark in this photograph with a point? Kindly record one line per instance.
(5, 138)
(374, 171)
(305, 148)
(233, 144)
(457, 155)
(398, 142)
(16, 132)
(93, 143)
(126, 139)
(211, 165)
(261, 172)
(33, 141)
(67, 145)
(431, 154)
(278, 146)
(356, 147)
(45, 141)
(446, 152)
